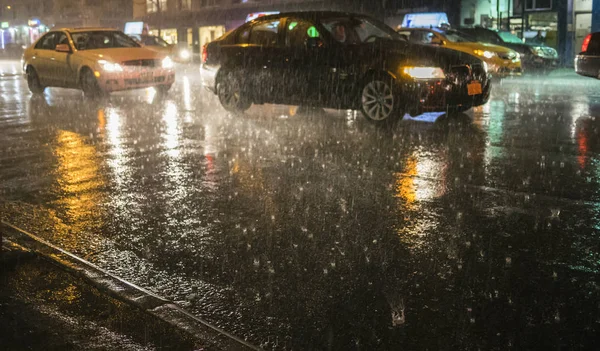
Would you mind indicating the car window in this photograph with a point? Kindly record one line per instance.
(297, 32)
(457, 37)
(594, 45)
(483, 35)
(421, 37)
(265, 33)
(47, 42)
(62, 38)
(357, 30)
(102, 40)
(508, 37)
(243, 36)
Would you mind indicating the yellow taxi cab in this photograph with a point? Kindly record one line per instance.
(501, 61)
(95, 60)
(159, 44)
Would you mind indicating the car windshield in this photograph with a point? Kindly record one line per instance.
(482, 35)
(152, 40)
(457, 37)
(357, 30)
(508, 37)
(102, 40)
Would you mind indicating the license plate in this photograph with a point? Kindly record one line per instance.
(146, 76)
(474, 88)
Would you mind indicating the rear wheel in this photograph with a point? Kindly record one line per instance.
(33, 81)
(378, 102)
(89, 84)
(232, 95)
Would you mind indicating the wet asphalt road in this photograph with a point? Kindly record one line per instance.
(319, 230)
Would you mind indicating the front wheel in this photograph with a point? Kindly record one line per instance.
(89, 84)
(231, 94)
(33, 81)
(378, 103)
(163, 89)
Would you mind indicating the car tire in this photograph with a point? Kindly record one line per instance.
(89, 84)
(231, 94)
(163, 89)
(33, 81)
(378, 103)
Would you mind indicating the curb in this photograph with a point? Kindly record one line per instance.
(127, 292)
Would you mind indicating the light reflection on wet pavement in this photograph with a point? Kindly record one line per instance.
(320, 230)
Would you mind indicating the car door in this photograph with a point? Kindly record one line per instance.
(302, 66)
(261, 55)
(61, 63)
(42, 58)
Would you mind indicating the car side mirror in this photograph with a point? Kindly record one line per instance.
(63, 48)
(314, 43)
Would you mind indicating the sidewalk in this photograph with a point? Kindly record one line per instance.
(53, 299)
(42, 307)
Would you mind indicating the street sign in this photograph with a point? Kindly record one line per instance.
(4, 25)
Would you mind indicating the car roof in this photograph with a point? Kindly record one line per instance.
(310, 15)
(85, 29)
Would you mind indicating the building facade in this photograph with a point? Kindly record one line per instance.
(23, 21)
(563, 23)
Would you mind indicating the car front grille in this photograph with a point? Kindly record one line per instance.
(142, 63)
(462, 74)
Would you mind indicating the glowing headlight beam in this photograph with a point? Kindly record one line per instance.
(424, 72)
(110, 66)
(167, 62)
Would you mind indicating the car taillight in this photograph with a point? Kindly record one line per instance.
(204, 54)
(586, 43)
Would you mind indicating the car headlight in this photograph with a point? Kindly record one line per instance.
(167, 62)
(184, 54)
(424, 72)
(485, 53)
(110, 66)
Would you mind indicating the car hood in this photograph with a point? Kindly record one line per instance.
(483, 47)
(122, 54)
(427, 55)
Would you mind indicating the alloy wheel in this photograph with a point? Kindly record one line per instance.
(377, 100)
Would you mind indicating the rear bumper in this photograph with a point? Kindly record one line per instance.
(208, 75)
(583, 68)
(119, 81)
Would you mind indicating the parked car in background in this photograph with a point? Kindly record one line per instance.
(339, 60)
(533, 56)
(501, 61)
(95, 60)
(587, 63)
(159, 44)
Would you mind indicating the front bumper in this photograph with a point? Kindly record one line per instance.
(507, 69)
(444, 96)
(135, 79)
(537, 62)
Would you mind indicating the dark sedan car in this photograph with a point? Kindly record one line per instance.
(533, 56)
(587, 63)
(339, 60)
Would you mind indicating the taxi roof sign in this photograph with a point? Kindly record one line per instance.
(256, 15)
(425, 20)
